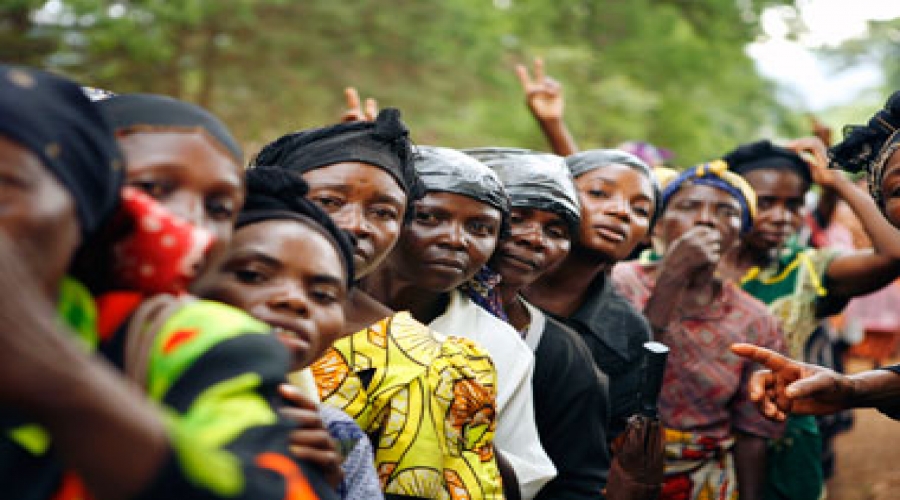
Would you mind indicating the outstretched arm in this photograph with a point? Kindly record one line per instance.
(789, 386)
(544, 97)
(861, 272)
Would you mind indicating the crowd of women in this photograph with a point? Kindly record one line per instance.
(354, 316)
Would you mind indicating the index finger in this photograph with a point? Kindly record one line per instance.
(770, 359)
(352, 97)
(297, 398)
(522, 73)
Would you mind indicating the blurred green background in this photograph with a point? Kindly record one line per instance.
(673, 72)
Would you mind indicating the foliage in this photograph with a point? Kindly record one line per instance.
(673, 72)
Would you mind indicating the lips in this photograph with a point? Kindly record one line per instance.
(447, 263)
(611, 232)
(521, 262)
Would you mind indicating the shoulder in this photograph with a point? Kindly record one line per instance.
(211, 331)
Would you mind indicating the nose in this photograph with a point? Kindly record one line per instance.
(188, 207)
(531, 235)
(782, 215)
(617, 206)
(453, 236)
(352, 218)
(705, 216)
(290, 298)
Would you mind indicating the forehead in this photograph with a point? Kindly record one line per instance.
(780, 183)
(293, 244)
(355, 174)
(457, 204)
(701, 193)
(194, 150)
(536, 214)
(619, 175)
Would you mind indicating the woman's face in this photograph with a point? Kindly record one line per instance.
(780, 207)
(190, 175)
(616, 208)
(700, 205)
(451, 237)
(288, 275)
(538, 242)
(890, 189)
(365, 201)
(38, 215)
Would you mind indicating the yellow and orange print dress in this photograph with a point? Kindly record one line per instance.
(427, 401)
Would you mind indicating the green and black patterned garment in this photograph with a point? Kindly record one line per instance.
(214, 372)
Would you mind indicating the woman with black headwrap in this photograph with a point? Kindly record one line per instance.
(570, 396)
(427, 401)
(454, 232)
(290, 266)
(92, 434)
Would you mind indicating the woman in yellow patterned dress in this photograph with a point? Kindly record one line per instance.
(427, 401)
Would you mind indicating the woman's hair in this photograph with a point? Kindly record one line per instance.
(868, 147)
(274, 193)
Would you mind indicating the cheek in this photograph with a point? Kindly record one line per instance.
(481, 249)
(892, 212)
(556, 252)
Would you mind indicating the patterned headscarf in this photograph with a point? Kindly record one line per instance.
(716, 174)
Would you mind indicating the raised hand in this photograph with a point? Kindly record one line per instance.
(311, 441)
(543, 94)
(355, 112)
(789, 386)
(813, 150)
(698, 249)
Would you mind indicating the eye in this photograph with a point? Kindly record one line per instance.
(641, 210)
(250, 276)
(157, 189)
(221, 208)
(482, 229)
(385, 213)
(558, 232)
(325, 295)
(426, 218)
(598, 193)
(328, 203)
(764, 203)
(516, 218)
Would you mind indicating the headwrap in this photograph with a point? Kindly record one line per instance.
(450, 171)
(50, 117)
(534, 180)
(383, 143)
(715, 174)
(274, 193)
(648, 153)
(869, 147)
(157, 113)
(586, 161)
(664, 175)
(765, 155)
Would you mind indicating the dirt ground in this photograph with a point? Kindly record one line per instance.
(868, 457)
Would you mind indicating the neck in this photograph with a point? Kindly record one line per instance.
(737, 262)
(515, 311)
(562, 290)
(362, 310)
(402, 295)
